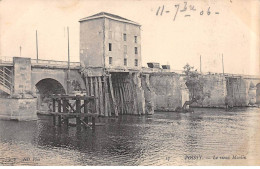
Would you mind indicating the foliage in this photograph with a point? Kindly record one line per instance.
(194, 82)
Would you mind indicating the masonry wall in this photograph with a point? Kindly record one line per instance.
(91, 43)
(214, 91)
(114, 31)
(19, 109)
(22, 75)
(169, 91)
(238, 91)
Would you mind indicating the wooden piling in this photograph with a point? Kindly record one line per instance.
(121, 97)
(85, 111)
(54, 109)
(54, 120)
(100, 91)
(134, 94)
(59, 110)
(93, 122)
(106, 97)
(75, 112)
(53, 105)
(78, 110)
(112, 95)
(91, 87)
(87, 86)
(96, 95)
(65, 110)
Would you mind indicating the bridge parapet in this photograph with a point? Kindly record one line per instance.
(8, 61)
(47, 63)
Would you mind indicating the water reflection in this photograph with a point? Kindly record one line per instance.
(164, 138)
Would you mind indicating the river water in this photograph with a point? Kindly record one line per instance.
(205, 137)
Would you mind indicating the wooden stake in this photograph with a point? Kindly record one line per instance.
(96, 94)
(65, 110)
(101, 102)
(87, 86)
(124, 95)
(59, 110)
(121, 96)
(106, 96)
(78, 110)
(112, 95)
(54, 120)
(53, 105)
(93, 122)
(134, 94)
(130, 101)
(86, 111)
(91, 87)
(92, 93)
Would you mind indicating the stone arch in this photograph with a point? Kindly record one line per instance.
(258, 93)
(46, 87)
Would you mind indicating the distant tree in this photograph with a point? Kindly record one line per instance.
(194, 82)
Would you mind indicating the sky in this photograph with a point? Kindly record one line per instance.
(233, 32)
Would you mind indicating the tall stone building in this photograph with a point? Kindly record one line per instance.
(111, 42)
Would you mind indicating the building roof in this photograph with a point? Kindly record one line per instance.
(109, 15)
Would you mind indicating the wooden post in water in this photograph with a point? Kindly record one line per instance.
(85, 111)
(65, 110)
(124, 94)
(78, 110)
(91, 90)
(134, 94)
(87, 86)
(129, 96)
(54, 109)
(100, 90)
(106, 97)
(120, 95)
(93, 122)
(96, 95)
(112, 96)
(59, 110)
(91, 87)
(53, 105)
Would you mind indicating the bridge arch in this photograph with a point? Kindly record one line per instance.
(44, 88)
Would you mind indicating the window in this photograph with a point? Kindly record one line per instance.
(125, 61)
(136, 50)
(124, 37)
(110, 60)
(136, 62)
(125, 49)
(135, 39)
(110, 46)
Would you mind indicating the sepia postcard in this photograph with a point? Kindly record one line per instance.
(130, 83)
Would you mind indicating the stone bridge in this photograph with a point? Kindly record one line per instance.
(27, 79)
(26, 82)
(25, 75)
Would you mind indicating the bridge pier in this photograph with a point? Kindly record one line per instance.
(20, 104)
